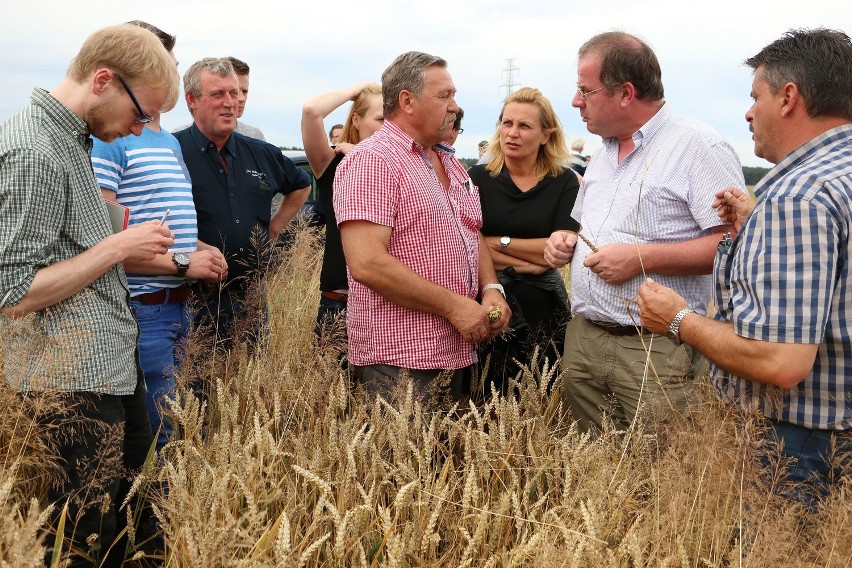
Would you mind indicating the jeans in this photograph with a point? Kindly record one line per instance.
(84, 482)
(812, 471)
(162, 330)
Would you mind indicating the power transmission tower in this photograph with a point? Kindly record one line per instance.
(509, 81)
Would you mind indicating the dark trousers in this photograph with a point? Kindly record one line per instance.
(103, 441)
(433, 388)
(223, 315)
(539, 318)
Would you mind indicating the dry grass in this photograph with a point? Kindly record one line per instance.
(283, 466)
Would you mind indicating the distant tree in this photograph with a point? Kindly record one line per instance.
(468, 162)
(753, 175)
(289, 148)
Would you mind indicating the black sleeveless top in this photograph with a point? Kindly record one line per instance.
(333, 275)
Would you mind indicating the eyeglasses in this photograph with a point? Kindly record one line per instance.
(143, 118)
(585, 94)
(461, 130)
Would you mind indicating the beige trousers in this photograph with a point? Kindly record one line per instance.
(605, 374)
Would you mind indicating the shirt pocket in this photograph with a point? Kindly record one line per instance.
(260, 193)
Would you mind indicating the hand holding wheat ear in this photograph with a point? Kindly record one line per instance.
(586, 240)
(559, 249)
(494, 314)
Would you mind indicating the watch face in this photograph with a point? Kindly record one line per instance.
(505, 241)
(181, 259)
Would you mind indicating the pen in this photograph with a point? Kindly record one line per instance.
(166, 214)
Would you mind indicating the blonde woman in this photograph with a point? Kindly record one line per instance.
(365, 117)
(526, 192)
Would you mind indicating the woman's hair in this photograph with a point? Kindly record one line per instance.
(552, 155)
(360, 106)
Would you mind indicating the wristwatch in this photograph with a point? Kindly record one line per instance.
(181, 260)
(674, 327)
(498, 287)
(504, 243)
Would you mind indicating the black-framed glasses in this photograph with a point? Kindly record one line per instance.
(143, 118)
(461, 130)
(585, 94)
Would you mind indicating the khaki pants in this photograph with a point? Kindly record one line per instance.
(605, 375)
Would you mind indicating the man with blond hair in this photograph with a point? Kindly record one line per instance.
(61, 262)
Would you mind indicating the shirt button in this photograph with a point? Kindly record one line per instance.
(237, 220)
(241, 249)
(221, 171)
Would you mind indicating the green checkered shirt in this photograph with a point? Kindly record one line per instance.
(51, 210)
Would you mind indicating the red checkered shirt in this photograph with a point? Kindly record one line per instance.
(387, 179)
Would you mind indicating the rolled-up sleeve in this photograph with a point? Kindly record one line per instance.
(32, 213)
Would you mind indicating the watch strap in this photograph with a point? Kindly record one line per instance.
(674, 327)
(498, 287)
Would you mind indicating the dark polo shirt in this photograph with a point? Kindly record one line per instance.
(234, 204)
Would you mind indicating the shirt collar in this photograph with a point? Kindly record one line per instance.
(64, 117)
(204, 144)
(802, 153)
(398, 134)
(647, 131)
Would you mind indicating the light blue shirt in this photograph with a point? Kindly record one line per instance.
(660, 193)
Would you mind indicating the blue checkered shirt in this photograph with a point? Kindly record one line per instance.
(786, 280)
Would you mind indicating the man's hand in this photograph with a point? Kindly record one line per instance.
(208, 265)
(142, 242)
(494, 299)
(615, 263)
(559, 249)
(734, 206)
(471, 320)
(658, 306)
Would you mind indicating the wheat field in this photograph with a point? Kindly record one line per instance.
(283, 466)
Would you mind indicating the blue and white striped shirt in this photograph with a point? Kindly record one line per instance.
(148, 175)
(786, 279)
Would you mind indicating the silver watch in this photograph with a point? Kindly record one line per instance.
(181, 260)
(674, 327)
(504, 243)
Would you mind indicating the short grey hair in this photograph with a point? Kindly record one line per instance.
(220, 66)
(406, 73)
(578, 144)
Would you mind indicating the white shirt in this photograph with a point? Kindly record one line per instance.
(660, 193)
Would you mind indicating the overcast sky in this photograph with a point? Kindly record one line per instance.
(299, 49)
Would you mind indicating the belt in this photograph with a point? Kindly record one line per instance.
(164, 296)
(616, 329)
(336, 296)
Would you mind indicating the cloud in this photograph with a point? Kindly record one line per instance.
(300, 49)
